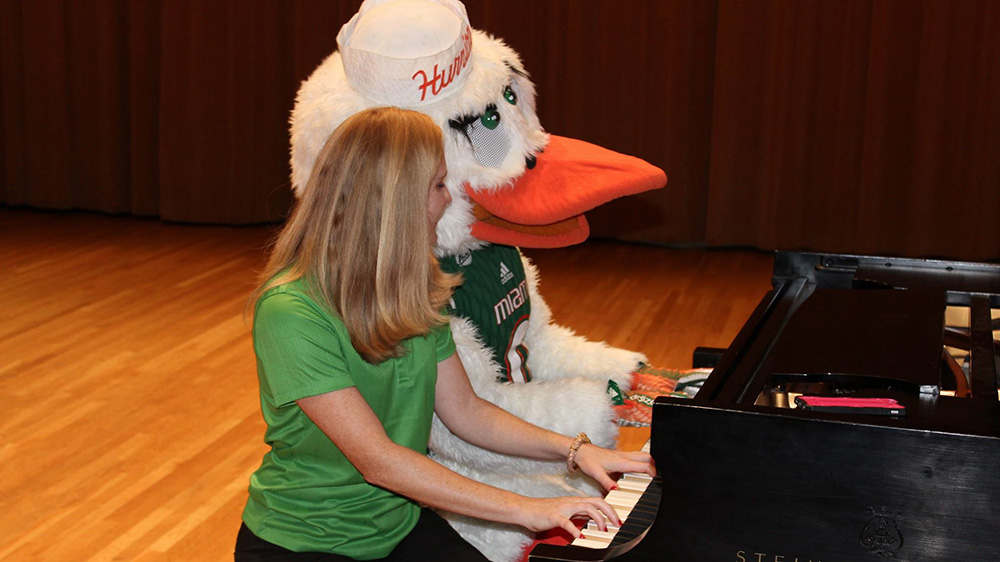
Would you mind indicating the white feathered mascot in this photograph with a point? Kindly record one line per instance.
(512, 185)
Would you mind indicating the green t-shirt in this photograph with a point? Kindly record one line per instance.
(306, 496)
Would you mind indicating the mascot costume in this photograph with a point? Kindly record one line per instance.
(512, 184)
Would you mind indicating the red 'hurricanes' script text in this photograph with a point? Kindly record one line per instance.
(439, 79)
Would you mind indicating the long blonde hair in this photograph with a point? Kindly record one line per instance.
(359, 234)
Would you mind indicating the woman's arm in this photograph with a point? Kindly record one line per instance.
(350, 423)
(485, 425)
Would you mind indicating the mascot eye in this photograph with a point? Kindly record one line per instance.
(509, 95)
(490, 143)
(491, 119)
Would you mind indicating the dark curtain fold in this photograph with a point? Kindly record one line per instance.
(175, 108)
(856, 126)
(868, 127)
(65, 101)
(142, 44)
(225, 91)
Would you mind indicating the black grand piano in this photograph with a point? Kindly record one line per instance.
(855, 417)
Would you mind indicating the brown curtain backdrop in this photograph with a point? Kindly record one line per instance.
(851, 126)
(869, 127)
(169, 108)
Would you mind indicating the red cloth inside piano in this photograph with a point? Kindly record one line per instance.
(558, 537)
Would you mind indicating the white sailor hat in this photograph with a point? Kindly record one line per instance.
(407, 53)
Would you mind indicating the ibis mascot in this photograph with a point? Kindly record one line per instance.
(512, 185)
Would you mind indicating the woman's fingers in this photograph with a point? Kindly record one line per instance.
(598, 463)
(610, 513)
(601, 513)
(635, 461)
(604, 480)
(570, 527)
(559, 512)
(644, 463)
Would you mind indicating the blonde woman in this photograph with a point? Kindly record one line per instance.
(354, 356)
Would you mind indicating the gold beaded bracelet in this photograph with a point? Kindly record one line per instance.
(581, 438)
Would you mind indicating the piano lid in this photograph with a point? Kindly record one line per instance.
(893, 335)
(758, 480)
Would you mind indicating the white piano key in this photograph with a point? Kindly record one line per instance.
(591, 543)
(622, 512)
(622, 498)
(612, 528)
(638, 476)
(633, 483)
(595, 533)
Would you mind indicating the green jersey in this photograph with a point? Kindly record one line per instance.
(306, 496)
(494, 298)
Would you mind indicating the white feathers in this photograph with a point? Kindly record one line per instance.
(568, 395)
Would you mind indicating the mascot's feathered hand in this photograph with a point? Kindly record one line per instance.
(512, 184)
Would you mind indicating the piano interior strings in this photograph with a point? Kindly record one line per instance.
(749, 474)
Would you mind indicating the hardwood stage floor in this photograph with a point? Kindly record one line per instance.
(128, 377)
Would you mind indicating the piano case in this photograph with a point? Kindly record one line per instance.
(756, 479)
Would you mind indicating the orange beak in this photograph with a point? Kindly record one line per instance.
(544, 207)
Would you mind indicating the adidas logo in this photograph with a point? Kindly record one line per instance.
(505, 273)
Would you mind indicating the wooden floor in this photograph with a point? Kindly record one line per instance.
(132, 421)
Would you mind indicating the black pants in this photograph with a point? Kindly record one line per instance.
(431, 539)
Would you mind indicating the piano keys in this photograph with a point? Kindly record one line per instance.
(752, 478)
(635, 508)
(636, 501)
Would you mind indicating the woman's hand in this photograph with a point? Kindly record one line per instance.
(542, 514)
(599, 463)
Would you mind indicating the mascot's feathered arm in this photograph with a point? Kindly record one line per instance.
(557, 353)
(566, 406)
(569, 392)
